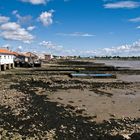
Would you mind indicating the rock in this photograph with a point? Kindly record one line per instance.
(135, 136)
(70, 107)
(71, 101)
(59, 98)
(80, 111)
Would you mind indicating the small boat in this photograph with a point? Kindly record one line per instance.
(92, 75)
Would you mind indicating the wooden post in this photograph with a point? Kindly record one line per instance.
(9, 66)
(4, 67)
(13, 65)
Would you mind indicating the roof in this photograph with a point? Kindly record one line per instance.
(30, 54)
(19, 54)
(5, 51)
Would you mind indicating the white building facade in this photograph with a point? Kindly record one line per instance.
(6, 59)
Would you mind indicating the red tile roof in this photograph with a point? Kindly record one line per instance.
(5, 51)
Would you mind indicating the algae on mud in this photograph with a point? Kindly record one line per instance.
(41, 104)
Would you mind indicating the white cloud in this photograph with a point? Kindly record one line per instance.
(47, 44)
(22, 19)
(122, 4)
(20, 47)
(88, 53)
(137, 19)
(14, 12)
(117, 50)
(60, 50)
(123, 50)
(10, 26)
(4, 19)
(138, 27)
(46, 18)
(76, 34)
(13, 31)
(36, 2)
(50, 45)
(30, 28)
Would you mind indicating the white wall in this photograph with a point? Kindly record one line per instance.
(6, 59)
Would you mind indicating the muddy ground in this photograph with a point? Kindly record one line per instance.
(45, 103)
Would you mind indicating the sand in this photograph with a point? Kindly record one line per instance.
(122, 103)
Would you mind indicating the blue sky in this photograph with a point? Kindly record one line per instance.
(71, 27)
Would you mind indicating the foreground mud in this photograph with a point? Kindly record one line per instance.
(32, 107)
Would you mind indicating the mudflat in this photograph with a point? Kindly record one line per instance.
(46, 103)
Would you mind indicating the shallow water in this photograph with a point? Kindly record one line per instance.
(121, 63)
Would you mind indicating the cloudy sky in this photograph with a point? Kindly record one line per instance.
(71, 27)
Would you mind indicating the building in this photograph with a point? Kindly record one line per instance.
(6, 59)
(33, 59)
(27, 60)
(31, 55)
(48, 56)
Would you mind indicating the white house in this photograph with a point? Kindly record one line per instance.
(6, 59)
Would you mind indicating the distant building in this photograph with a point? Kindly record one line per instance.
(56, 57)
(6, 59)
(48, 56)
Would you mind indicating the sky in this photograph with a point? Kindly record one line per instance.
(71, 27)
